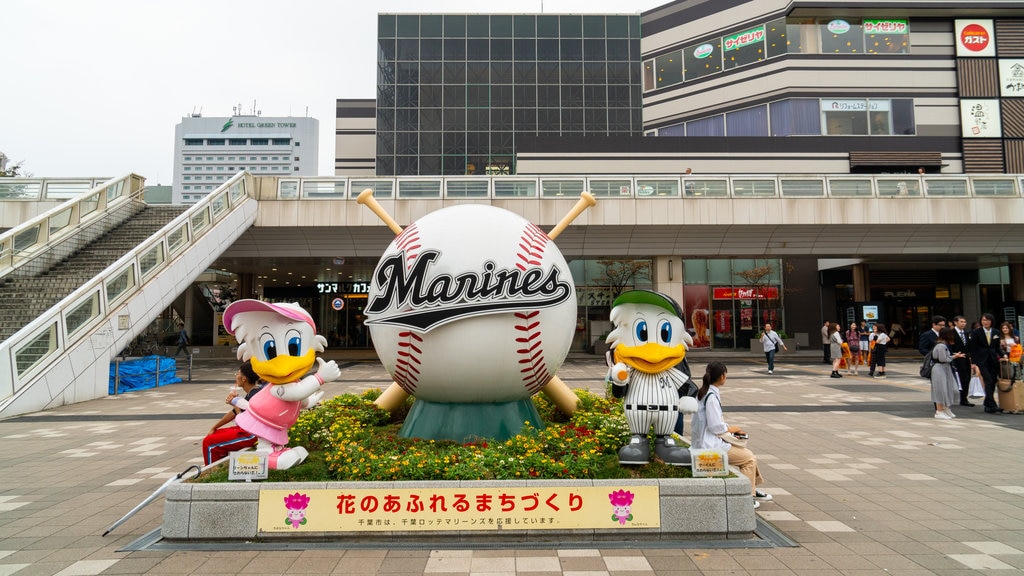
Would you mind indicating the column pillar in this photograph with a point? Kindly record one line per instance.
(861, 283)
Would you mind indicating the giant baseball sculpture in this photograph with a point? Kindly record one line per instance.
(472, 309)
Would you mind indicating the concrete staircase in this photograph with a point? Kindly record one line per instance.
(25, 298)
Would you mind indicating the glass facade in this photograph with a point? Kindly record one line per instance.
(777, 38)
(807, 117)
(455, 91)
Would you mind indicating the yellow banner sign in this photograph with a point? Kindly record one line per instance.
(443, 509)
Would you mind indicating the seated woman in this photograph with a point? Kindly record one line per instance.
(219, 442)
(709, 426)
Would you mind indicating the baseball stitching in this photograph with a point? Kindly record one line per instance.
(530, 344)
(407, 364)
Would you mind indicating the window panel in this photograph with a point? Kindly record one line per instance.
(408, 26)
(525, 49)
(699, 60)
(776, 38)
(669, 68)
(743, 48)
(713, 126)
(747, 122)
(841, 36)
(431, 26)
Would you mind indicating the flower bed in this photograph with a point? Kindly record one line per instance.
(355, 446)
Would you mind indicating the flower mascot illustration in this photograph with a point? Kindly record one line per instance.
(282, 342)
(648, 340)
(296, 505)
(622, 506)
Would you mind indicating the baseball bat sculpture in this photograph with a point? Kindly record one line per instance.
(555, 389)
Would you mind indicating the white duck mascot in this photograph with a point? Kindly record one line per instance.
(281, 341)
(648, 340)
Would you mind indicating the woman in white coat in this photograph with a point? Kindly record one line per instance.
(709, 426)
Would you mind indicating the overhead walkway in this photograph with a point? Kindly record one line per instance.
(63, 354)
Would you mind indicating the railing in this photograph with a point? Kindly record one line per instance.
(704, 186)
(37, 189)
(26, 353)
(40, 239)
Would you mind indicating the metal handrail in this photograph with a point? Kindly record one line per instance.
(691, 186)
(40, 236)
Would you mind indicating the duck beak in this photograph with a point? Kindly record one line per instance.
(284, 369)
(651, 357)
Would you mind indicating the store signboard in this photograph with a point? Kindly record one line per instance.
(1011, 77)
(729, 293)
(979, 118)
(975, 38)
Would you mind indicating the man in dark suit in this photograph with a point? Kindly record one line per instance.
(961, 366)
(928, 337)
(983, 346)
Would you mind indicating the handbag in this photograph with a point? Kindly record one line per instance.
(927, 365)
(975, 389)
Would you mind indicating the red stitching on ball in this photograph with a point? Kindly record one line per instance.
(408, 363)
(535, 375)
(532, 242)
(534, 372)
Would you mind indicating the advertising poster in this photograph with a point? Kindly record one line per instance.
(697, 314)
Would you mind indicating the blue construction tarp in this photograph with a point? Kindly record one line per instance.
(142, 373)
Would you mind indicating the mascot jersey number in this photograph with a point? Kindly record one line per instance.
(282, 342)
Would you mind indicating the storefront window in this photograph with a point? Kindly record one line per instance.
(890, 36)
(700, 60)
(842, 36)
(742, 48)
(669, 68)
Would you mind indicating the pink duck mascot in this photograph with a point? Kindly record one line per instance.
(282, 342)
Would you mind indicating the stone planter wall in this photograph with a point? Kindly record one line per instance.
(697, 508)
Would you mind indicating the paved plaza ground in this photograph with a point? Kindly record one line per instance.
(865, 481)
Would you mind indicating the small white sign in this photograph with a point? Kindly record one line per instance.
(1011, 77)
(709, 462)
(247, 466)
(980, 118)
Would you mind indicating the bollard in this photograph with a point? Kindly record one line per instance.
(190, 366)
(117, 375)
(158, 359)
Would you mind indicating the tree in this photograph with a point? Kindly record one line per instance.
(12, 171)
(620, 275)
(758, 278)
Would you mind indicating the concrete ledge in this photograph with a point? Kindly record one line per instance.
(691, 509)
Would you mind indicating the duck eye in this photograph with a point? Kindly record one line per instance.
(294, 338)
(665, 331)
(640, 329)
(269, 346)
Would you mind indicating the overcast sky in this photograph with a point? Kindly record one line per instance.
(95, 87)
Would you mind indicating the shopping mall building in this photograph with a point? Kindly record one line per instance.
(766, 160)
(794, 161)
